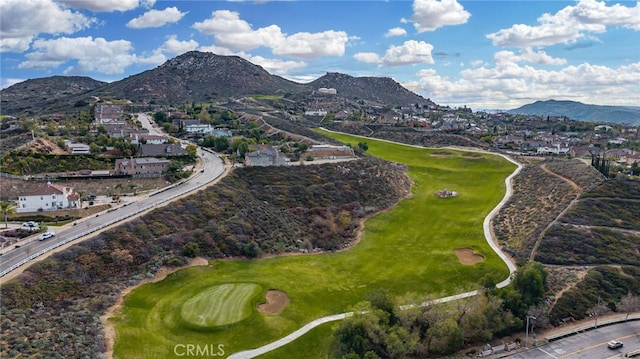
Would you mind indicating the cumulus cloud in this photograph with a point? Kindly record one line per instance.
(509, 85)
(88, 54)
(108, 5)
(22, 20)
(569, 24)
(410, 53)
(275, 66)
(528, 55)
(367, 57)
(396, 31)
(231, 32)
(156, 18)
(429, 15)
(175, 46)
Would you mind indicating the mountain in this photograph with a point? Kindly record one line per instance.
(383, 90)
(198, 77)
(30, 96)
(582, 112)
(194, 77)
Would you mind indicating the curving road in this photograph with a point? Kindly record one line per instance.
(488, 234)
(213, 168)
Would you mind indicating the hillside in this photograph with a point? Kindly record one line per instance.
(382, 90)
(29, 97)
(581, 112)
(192, 77)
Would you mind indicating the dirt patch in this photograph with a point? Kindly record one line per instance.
(276, 301)
(468, 256)
(162, 273)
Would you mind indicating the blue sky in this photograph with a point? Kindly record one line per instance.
(482, 54)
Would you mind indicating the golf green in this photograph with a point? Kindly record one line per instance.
(220, 305)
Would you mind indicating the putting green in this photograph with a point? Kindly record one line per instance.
(220, 305)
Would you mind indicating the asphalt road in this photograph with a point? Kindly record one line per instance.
(213, 168)
(588, 345)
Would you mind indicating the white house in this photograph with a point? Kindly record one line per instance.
(48, 198)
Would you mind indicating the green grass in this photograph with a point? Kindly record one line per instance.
(409, 248)
(220, 305)
(266, 97)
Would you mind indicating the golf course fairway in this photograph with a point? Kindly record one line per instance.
(408, 248)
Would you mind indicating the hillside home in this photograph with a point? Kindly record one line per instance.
(148, 139)
(264, 155)
(50, 197)
(108, 113)
(123, 131)
(163, 150)
(556, 149)
(141, 167)
(76, 148)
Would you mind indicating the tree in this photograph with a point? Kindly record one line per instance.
(7, 208)
(191, 150)
(628, 304)
(530, 281)
(363, 146)
(598, 310)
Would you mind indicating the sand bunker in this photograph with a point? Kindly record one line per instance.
(276, 302)
(468, 256)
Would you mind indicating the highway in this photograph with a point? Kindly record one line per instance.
(213, 167)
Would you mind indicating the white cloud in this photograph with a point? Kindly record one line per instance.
(174, 46)
(156, 18)
(429, 15)
(309, 46)
(235, 34)
(89, 55)
(275, 66)
(108, 5)
(10, 82)
(22, 20)
(509, 85)
(411, 52)
(368, 57)
(396, 31)
(528, 55)
(569, 24)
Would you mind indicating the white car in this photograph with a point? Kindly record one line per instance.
(31, 225)
(46, 235)
(614, 344)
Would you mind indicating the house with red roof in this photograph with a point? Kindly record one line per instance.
(50, 197)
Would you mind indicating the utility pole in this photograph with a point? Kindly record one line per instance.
(526, 340)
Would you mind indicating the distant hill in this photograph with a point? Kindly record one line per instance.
(30, 96)
(193, 77)
(582, 112)
(383, 90)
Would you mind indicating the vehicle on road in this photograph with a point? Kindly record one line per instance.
(614, 344)
(46, 235)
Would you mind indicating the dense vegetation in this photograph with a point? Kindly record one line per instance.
(381, 328)
(22, 163)
(600, 291)
(55, 302)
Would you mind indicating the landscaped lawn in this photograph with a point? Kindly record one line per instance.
(409, 248)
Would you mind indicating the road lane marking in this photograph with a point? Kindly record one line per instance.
(549, 354)
(597, 345)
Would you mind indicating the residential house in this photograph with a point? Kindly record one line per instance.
(556, 149)
(163, 150)
(50, 197)
(141, 167)
(108, 114)
(148, 139)
(77, 148)
(264, 155)
(123, 131)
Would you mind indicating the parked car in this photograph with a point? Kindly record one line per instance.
(614, 344)
(31, 225)
(46, 235)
